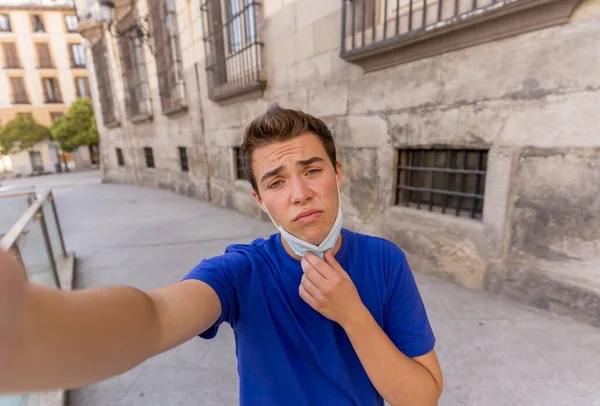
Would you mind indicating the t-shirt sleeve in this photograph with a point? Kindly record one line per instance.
(222, 273)
(406, 322)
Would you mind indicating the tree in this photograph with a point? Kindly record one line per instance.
(22, 133)
(76, 128)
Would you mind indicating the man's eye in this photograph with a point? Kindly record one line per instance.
(313, 171)
(275, 184)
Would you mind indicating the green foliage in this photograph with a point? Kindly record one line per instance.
(76, 128)
(22, 133)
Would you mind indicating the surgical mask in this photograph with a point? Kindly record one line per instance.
(300, 247)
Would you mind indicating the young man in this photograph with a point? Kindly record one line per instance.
(321, 315)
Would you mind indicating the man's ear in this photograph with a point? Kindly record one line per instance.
(258, 200)
(338, 172)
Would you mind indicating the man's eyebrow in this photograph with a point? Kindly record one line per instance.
(309, 161)
(271, 173)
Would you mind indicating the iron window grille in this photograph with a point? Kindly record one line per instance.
(183, 159)
(120, 159)
(5, 23)
(99, 54)
(38, 23)
(149, 157)
(167, 53)
(51, 90)
(373, 23)
(442, 180)
(19, 91)
(77, 56)
(232, 47)
(72, 23)
(44, 57)
(137, 94)
(239, 167)
(11, 58)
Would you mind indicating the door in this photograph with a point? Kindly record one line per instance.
(36, 161)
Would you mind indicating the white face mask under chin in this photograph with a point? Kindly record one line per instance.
(300, 247)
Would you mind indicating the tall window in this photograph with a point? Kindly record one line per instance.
(149, 157)
(11, 58)
(445, 180)
(183, 159)
(77, 55)
(240, 174)
(120, 160)
(19, 92)
(51, 90)
(233, 48)
(37, 23)
(44, 57)
(82, 87)
(71, 22)
(133, 67)
(163, 21)
(4, 23)
(103, 82)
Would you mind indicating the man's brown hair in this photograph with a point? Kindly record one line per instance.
(278, 124)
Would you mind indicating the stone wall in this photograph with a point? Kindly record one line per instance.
(530, 99)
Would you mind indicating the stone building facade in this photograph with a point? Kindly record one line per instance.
(468, 132)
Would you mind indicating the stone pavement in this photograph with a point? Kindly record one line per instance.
(493, 352)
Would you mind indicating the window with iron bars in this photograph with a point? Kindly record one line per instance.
(51, 90)
(232, 47)
(183, 159)
(44, 56)
(239, 167)
(379, 33)
(149, 154)
(137, 94)
(120, 159)
(448, 181)
(19, 93)
(11, 57)
(167, 53)
(103, 81)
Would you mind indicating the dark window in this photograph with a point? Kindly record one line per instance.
(103, 82)
(44, 57)
(233, 48)
(183, 159)
(72, 23)
(82, 87)
(120, 159)
(56, 116)
(133, 66)
(167, 52)
(149, 157)
(445, 180)
(51, 90)
(240, 174)
(77, 55)
(38, 23)
(11, 58)
(4, 23)
(19, 91)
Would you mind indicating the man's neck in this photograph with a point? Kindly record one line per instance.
(288, 249)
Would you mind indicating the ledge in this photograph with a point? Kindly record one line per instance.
(499, 21)
(140, 118)
(175, 110)
(112, 124)
(253, 87)
(91, 29)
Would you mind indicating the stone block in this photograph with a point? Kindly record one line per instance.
(292, 100)
(425, 127)
(328, 101)
(365, 132)
(360, 183)
(281, 23)
(327, 32)
(309, 11)
(556, 213)
(588, 10)
(310, 72)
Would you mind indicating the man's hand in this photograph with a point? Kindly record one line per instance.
(328, 289)
(12, 292)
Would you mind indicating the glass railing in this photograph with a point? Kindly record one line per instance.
(30, 230)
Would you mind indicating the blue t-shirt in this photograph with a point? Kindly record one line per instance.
(289, 354)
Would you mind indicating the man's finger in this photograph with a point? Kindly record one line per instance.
(311, 288)
(321, 266)
(332, 262)
(307, 297)
(312, 273)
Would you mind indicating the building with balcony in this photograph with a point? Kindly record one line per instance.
(467, 129)
(42, 70)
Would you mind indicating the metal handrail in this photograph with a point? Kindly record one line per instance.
(9, 241)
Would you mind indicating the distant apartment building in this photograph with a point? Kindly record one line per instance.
(467, 130)
(42, 71)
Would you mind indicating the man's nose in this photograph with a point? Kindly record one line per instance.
(301, 192)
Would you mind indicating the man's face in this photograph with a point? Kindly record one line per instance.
(297, 183)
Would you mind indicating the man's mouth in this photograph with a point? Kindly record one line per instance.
(307, 216)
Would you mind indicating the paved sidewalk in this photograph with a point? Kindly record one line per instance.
(493, 352)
